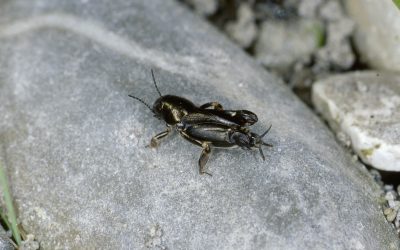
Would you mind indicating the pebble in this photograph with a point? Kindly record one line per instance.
(391, 215)
(244, 30)
(30, 243)
(377, 32)
(280, 43)
(204, 7)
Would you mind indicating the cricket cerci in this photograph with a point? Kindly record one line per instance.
(206, 126)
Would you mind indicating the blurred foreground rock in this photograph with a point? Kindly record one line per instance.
(75, 142)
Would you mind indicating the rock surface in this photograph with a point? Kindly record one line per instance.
(364, 109)
(74, 141)
(378, 32)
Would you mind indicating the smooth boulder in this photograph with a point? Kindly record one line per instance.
(75, 143)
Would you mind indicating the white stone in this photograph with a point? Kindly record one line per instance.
(244, 30)
(281, 43)
(378, 31)
(204, 7)
(366, 107)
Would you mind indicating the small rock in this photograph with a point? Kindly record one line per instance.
(366, 107)
(30, 243)
(390, 196)
(377, 35)
(343, 139)
(331, 10)
(338, 56)
(244, 30)
(336, 52)
(204, 7)
(393, 204)
(281, 43)
(396, 205)
(309, 8)
(5, 241)
(391, 216)
(387, 211)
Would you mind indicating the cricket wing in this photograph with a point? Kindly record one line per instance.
(239, 117)
(228, 118)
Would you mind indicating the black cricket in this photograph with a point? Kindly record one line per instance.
(206, 126)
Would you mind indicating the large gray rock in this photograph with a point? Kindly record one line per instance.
(74, 141)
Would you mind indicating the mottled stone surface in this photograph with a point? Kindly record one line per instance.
(364, 109)
(74, 142)
(377, 32)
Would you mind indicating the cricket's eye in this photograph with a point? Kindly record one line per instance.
(254, 140)
(158, 107)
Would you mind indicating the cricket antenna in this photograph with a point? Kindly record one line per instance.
(266, 132)
(263, 142)
(155, 84)
(140, 100)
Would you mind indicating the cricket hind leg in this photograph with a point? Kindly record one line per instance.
(155, 141)
(205, 155)
(206, 136)
(212, 105)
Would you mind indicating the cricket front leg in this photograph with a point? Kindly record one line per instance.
(155, 141)
(205, 155)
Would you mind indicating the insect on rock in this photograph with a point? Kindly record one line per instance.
(207, 126)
